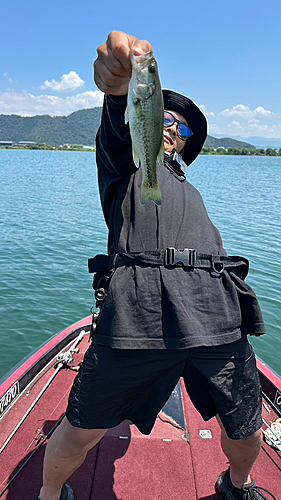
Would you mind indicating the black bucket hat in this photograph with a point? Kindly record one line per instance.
(195, 119)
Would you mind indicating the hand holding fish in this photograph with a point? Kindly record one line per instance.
(113, 67)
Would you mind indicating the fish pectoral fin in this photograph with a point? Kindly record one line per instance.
(161, 154)
(136, 158)
(151, 193)
(126, 117)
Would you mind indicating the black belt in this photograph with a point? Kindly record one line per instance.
(171, 257)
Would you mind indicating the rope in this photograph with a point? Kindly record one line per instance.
(272, 435)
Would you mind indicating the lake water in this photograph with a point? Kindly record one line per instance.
(51, 223)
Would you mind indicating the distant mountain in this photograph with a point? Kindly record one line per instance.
(259, 142)
(78, 128)
(226, 142)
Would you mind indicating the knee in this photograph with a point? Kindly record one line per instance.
(64, 447)
(253, 441)
(73, 441)
(250, 444)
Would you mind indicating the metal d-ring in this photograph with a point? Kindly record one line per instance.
(215, 264)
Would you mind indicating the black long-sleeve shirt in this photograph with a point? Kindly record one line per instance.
(156, 307)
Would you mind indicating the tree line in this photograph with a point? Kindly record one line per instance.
(208, 150)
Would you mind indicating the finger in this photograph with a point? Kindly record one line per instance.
(109, 83)
(109, 74)
(141, 47)
(119, 46)
(107, 61)
(112, 68)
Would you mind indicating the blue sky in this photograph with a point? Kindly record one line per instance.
(224, 55)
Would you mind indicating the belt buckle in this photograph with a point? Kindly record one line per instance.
(186, 257)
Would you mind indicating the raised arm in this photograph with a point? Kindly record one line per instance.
(112, 72)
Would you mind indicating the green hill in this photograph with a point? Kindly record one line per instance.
(78, 128)
(226, 142)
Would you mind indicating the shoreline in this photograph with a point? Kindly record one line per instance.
(206, 150)
(92, 149)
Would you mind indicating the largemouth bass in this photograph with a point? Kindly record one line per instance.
(145, 113)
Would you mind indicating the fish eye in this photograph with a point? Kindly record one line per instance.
(152, 68)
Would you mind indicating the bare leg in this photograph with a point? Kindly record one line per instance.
(65, 452)
(242, 454)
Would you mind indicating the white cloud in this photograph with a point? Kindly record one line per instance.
(243, 121)
(10, 80)
(247, 129)
(26, 104)
(235, 128)
(7, 76)
(204, 110)
(260, 111)
(245, 112)
(71, 81)
(234, 124)
(254, 120)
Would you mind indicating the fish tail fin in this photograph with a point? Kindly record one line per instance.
(151, 193)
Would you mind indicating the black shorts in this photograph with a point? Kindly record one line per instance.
(115, 385)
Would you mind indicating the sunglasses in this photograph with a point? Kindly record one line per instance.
(183, 131)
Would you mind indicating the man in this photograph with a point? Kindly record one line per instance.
(164, 313)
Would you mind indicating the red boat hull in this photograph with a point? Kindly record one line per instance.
(175, 461)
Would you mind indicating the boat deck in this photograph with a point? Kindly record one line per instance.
(170, 463)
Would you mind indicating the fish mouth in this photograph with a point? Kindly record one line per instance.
(141, 62)
(141, 58)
